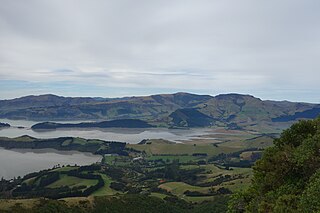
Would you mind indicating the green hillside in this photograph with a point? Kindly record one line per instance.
(171, 110)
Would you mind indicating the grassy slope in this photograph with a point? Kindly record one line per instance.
(230, 142)
(105, 190)
(159, 147)
(6, 204)
(71, 181)
(243, 110)
(182, 159)
(178, 188)
(65, 169)
(211, 173)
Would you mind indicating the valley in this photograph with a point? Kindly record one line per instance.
(159, 106)
(193, 154)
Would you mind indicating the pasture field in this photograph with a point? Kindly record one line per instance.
(105, 190)
(71, 181)
(159, 147)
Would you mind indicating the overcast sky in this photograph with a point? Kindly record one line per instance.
(270, 49)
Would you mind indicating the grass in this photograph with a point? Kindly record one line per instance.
(211, 173)
(158, 147)
(71, 181)
(109, 159)
(6, 204)
(83, 141)
(182, 159)
(248, 155)
(235, 171)
(158, 195)
(252, 142)
(161, 149)
(105, 190)
(65, 169)
(236, 185)
(199, 199)
(95, 141)
(30, 181)
(178, 188)
(120, 161)
(80, 141)
(24, 138)
(67, 142)
(265, 127)
(208, 168)
(76, 201)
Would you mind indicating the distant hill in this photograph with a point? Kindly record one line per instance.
(190, 117)
(179, 109)
(120, 123)
(65, 143)
(4, 125)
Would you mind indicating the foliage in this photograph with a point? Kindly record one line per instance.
(133, 203)
(122, 204)
(310, 201)
(287, 177)
(48, 179)
(58, 185)
(65, 143)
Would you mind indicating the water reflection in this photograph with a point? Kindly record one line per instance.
(129, 135)
(19, 162)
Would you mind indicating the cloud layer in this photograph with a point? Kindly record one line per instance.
(112, 48)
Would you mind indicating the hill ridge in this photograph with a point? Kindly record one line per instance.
(178, 109)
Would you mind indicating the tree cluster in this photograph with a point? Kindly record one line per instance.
(287, 177)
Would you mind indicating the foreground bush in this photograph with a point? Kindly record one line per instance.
(287, 177)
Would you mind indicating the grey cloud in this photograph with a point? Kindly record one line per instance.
(231, 46)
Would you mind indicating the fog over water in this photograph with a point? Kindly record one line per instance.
(19, 162)
(109, 134)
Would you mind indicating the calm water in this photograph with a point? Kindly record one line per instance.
(110, 134)
(14, 163)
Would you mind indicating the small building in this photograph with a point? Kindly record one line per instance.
(137, 158)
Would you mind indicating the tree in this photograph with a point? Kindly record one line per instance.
(287, 177)
(172, 170)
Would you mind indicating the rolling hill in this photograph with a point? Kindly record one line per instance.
(175, 110)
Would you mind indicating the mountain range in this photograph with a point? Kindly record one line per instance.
(167, 110)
